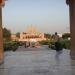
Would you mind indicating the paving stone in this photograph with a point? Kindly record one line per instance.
(37, 61)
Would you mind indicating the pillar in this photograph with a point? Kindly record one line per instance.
(1, 38)
(72, 26)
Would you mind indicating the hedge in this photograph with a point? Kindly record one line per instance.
(64, 42)
(11, 45)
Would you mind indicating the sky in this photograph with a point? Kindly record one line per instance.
(48, 16)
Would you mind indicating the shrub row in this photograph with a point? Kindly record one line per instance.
(11, 45)
(44, 42)
(64, 42)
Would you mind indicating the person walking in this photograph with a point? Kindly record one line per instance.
(58, 45)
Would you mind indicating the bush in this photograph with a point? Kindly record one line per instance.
(64, 42)
(44, 42)
(7, 46)
(11, 45)
(52, 44)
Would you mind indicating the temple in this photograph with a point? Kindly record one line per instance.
(31, 34)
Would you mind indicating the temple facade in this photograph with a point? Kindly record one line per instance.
(31, 35)
(14, 37)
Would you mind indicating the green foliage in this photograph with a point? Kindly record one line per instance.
(33, 44)
(6, 34)
(10, 46)
(48, 36)
(18, 35)
(66, 35)
(52, 44)
(44, 42)
(65, 43)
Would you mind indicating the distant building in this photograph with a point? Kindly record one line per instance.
(14, 38)
(60, 35)
(31, 35)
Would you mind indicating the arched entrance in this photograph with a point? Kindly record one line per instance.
(71, 4)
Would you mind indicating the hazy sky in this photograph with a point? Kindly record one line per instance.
(47, 15)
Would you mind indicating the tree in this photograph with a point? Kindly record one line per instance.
(6, 34)
(48, 36)
(66, 35)
(18, 35)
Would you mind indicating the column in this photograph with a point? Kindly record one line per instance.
(1, 38)
(72, 27)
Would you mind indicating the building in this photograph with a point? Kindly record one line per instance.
(60, 35)
(14, 38)
(32, 35)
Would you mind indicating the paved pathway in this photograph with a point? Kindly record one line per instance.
(40, 61)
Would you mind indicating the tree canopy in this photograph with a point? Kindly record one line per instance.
(66, 35)
(6, 34)
(48, 36)
(18, 34)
